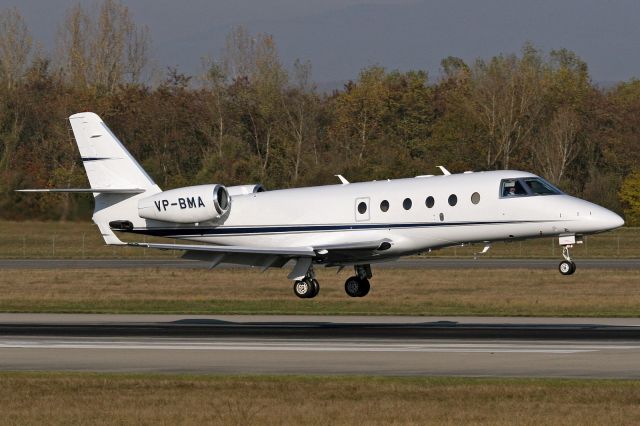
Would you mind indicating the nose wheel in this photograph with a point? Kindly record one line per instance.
(567, 266)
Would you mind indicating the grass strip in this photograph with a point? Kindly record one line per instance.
(88, 398)
(500, 292)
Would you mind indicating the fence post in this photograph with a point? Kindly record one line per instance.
(586, 246)
(83, 245)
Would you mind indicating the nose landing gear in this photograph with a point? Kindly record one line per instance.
(567, 266)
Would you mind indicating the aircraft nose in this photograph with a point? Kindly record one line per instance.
(608, 220)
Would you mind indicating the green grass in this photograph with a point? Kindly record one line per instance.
(77, 240)
(500, 292)
(85, 398)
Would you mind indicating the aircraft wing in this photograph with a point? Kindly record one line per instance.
(271, 256)
(243, 255)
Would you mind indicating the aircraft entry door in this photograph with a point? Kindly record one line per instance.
(362, 209)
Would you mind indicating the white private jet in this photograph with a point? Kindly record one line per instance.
(349, 224)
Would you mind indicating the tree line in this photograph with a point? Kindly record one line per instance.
(249, 118)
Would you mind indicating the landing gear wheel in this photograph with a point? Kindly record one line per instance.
(567, 267)
(356, 287)
(316, 288)
(365, 287)
(304, 289)
(352, 286)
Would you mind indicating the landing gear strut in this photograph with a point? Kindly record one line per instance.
(358, 285)
(567, 266)
(308, 287)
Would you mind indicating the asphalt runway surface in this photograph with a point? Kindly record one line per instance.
(451, 346)
(407, 263)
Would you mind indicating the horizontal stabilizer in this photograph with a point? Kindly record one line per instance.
(88, 190)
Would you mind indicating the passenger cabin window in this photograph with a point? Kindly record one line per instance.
(526, 187)
(407, 203)
(429, 202)
(384, 205)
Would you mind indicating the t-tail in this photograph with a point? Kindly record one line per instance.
(116, 179)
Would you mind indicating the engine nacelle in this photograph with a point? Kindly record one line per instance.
(245, 189)
(202, 203)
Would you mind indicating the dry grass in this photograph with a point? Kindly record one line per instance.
(56, 399)
(394, 291)
(82, 240)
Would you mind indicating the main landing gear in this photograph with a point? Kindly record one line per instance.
(358, 285)
(308, 287)
(567, 266)
(355, 286)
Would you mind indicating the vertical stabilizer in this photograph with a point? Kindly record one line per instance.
(107, 162)
(110, 166)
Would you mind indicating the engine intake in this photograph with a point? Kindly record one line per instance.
(245, 189)
(201, 203)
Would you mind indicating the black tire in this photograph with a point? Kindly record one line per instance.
(316, 288)
(303, 289)
(567, 267)
(352, 286)
(364, 287)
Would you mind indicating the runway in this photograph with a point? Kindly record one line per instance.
(497, 347)
(405, 263)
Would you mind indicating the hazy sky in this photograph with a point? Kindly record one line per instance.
(341, 37)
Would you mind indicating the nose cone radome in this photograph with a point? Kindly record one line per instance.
(613, 220)
(606, 220)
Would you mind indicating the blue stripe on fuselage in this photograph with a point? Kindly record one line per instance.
(281, 229)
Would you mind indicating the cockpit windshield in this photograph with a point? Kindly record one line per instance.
(526, 187)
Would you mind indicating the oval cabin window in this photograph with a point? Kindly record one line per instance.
(384, 206)
(407, 203)
(429, 202)
(475, 198)
(453, 200)
(362, 207)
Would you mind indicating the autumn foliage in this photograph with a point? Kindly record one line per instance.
(249, 118)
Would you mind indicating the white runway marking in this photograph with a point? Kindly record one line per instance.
(311, 346)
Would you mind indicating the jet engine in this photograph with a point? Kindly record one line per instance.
(245, 189)
(192, 204)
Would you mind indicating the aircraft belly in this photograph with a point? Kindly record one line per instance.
(295, 239)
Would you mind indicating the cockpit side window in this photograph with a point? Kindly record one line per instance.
(541, 187)
(512, 188)
(524, 187)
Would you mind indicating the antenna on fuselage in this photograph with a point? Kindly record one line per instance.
(342, 179)
(444, 171)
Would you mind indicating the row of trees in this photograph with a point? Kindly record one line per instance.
(248, 118)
